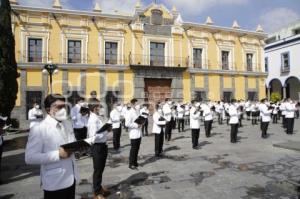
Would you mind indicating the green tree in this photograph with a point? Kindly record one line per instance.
(8, 65)
(275, 97)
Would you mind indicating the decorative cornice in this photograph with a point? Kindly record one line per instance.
(227, 72)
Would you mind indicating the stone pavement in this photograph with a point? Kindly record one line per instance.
(250, 169)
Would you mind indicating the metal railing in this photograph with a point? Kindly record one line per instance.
(118, 59)
(32, 57)
(73, 59)
(158, 60)
(227, 65)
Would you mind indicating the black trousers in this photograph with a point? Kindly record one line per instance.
(283, 121)
(134, 151)
(248, 115)
(81, 133)
(195, 137)
(275, 118)
(220, 119)
(180, 124)
(207, 126)
(233, 132)
(145, 128)
(289, 122)
(168, 131)
(264, 129)
(117, 137)
(159, 142)
(67, 193)
(99, 152)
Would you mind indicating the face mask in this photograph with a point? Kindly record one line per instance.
(37, 106)
(159, 111)
(169, 102)
(61, 115)
(137, 107)
(119, 108)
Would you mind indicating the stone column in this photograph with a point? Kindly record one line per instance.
(269, 93)
(284, 92)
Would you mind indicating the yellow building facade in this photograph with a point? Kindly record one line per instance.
(150, 54)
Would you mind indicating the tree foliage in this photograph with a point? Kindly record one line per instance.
(275, 97)
(8, 65)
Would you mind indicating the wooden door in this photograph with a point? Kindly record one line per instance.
(156, 90)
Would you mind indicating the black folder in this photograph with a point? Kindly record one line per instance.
(105, 127)
(79, 145)
(140, 120)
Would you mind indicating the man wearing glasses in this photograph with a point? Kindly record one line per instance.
(58, 169)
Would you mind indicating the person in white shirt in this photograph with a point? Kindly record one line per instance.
(2, 126)
(219, 111)
(187, 113)
(168, 116)
(99, 148)
(135, 133)
(58, 169)
(145, 113)
(290, 109)
(275, 113)
(35, 115)
(282, 108)
(265, 111)
(195, 117)
(208, 118)
(158, 129)
(248, 109)
(234, 120)
(115, 117)
(79, 116)
(180, 117)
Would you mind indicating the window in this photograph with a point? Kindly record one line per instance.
(197, 57)
(225, 60)
(35, 50)
(156, 17)
(227, 96)
(111, 53)
(74, 51)
(157, 54)
(200, 95)
(285, 61)
(249, 57)
(252, 96)
(266, 64)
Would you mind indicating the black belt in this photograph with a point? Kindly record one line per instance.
(100, 144)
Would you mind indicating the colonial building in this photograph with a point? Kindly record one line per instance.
(282, 61)
(150, 54)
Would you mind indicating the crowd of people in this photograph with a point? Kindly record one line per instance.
(84, 120)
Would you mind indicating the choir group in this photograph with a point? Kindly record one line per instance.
(85, 119)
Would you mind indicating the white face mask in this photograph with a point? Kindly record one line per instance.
(169, 102)
(37, 106)
(119, 108)
(61, 115)
(159, 111)
(137, 107)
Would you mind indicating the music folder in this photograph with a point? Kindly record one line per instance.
(140, 120)
(105, 127)
(79, 145)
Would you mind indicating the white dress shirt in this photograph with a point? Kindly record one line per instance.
(156, 123)
(43, 149)
(33, 116)
(180, 112)
(115, 117)
(79, 121)
(145, 111)
(134, 130)
(265, 113)
(94, 124)
(233, 113)
(195, 118)
(207, 113)
(290, 110)
(167, 112)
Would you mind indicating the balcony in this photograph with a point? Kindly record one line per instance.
(227, 65)
(157, 61)
(65, 58)
(252, 67)
(285, 69)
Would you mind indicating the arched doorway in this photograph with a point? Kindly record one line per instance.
(275, 86)
(293, 88)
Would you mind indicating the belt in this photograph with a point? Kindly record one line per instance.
(101, 144)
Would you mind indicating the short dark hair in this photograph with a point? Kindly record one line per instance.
(167, 99)
(233, 100)
(50, 99)
(133, 101)
(93, 93)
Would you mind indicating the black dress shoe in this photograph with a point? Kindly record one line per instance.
(133, 167)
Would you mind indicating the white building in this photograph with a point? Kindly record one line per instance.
(282, 61)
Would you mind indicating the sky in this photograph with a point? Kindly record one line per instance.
(270, 14)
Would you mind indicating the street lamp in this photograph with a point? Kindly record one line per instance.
(50, 69)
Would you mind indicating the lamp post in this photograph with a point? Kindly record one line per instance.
(50, 69)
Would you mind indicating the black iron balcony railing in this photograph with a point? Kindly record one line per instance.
(227, 65)
(251, 67)
(117, 59)
(285, 69)
(73, 58)
(158, 60)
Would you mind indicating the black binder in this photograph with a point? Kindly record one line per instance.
(105, 127)
(140, 120)
(79, 145)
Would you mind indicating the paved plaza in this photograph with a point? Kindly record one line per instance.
(252, 168)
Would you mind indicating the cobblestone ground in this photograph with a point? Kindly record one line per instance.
(250, 169)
